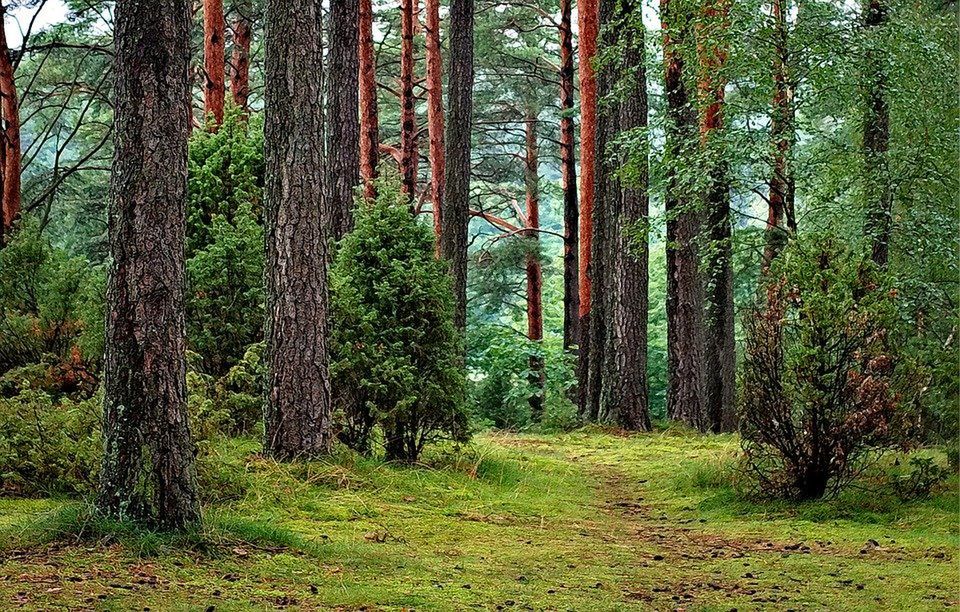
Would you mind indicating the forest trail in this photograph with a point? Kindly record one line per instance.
(583, 521)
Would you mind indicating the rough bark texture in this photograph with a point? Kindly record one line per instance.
(343, 116)
(10, 151)
(781, 217)
(456, 215)
(297, 414)
(435, 114)
(720, 352)
(148, 471)
(876, 142)
(588, 22)
(369, 118)
(408, 116)
(534, 269)
(568, 172)
(626, 403)
(240, 59)
(685, 333)
(214, 63)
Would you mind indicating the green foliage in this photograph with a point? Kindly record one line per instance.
(397, 360)
(225, 242)
(49, 302)
(822, 377)
(48, 446)
(923, 478)
(500, 385)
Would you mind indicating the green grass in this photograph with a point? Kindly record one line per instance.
(588, 520)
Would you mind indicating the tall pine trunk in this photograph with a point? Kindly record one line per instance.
(534, 269)
(588, 21)
(297, 418)
(435, 114)
(343, 116)
(627, 403)
(214, 66)
(456, 216)
(148, 469)
(568, 170)
(720, 352)
(876, 139)
(10, 149)
(369, 118)
(781, 217)
(408, 116)
(685, 326)
(240, 59)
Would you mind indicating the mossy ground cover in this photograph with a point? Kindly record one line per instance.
(583, 521)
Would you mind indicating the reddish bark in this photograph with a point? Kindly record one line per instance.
(408, 118)
(533, 267)
(10, 112)
(214, 92)
(781, 219)
(568, 170)
(369, 120)
(435, 114)
(588, 21)
(240, 61)
(719, 350)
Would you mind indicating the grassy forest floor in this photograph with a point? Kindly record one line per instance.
(583, 521)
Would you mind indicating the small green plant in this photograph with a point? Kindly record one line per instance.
(397, 361)
(923, 478)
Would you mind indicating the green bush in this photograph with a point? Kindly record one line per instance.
(823, 377)
(397, 361)
(50, 304)
(225, 258)
(48, 446)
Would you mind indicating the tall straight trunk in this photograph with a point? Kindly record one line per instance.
(240, 59)
(720, 352)
(435, 114)
(685, 333)
(456, 216)
(214, 66)
(534, 268)
(606, 205)
(297, 415)
(627, 403)
(781, 217)
(408, 117)
(876, 140)
(369, 118)
(148, 469)
(568, 172)
(343, 116)
(10, 151)
(588, 22)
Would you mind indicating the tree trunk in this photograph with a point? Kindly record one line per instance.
(456, 216)
(408, 117)
(240, 61)
(685, 333)
(148, 469)
(876, 141)
(435, 114)
(343, 116)
(10, 113)
(369, 120)
(588, 20)
(534, 268)
(297, 418)
(720, 352)
(781, 218)
(214, 66)
(627, 404)
(568, 170)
